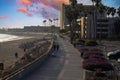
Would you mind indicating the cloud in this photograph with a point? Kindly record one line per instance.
(45, 8)
(3, 17)
(53, 3)
(24, 2)
(24, 10)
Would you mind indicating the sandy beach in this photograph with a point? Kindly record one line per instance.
(8, 49)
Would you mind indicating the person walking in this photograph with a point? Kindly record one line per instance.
(16, 55)
(54, 47)
(57, 46)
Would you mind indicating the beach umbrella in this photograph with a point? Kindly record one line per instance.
(94, 64)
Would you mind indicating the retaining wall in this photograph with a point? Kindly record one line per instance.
(22, 72)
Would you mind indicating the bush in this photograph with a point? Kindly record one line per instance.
(79, 42)
(86, 55)
(91, 43)
(83, 50)
(96, 49)
(97, 63)
(62, 31)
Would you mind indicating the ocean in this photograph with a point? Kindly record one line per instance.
(8, 37)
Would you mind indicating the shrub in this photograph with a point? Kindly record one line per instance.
(83, 50)
(91, 43)
(80, 42)
(96, 49)
(97, 63)
(62, 31)
(86, 55)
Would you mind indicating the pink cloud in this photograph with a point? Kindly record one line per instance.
(3, 17)
(24, 10)
(24, 2)
(51, 3)
(45, 8)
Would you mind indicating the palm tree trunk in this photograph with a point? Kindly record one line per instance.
(71, 32)
(93, 35)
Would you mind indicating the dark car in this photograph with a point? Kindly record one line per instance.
(115, 55)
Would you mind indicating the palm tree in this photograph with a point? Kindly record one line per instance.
(73, 2)
(101, 8)
(50, 20)
(108, 10)
(44, 22)
(54, 21)
(96, 4)
(118, 11)
(72, 15)
(57, 21)
(113, 11)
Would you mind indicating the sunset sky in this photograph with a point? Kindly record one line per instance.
(20, 13)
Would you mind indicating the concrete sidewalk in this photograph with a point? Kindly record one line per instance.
(72, 69)
(65, 65)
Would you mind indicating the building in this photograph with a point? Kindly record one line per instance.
(105, 27)
(82, 8)
(87, 27)
(41, 29)
(86, 23)
(92, 26)
(63, 19)
(47, 29)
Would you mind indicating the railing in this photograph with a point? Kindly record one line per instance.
(22, 72)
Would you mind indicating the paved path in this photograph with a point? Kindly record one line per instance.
(66, 65)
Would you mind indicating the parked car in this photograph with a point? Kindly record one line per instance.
(119, 60)
(114, 55)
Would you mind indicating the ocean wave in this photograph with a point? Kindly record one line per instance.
(7, 37)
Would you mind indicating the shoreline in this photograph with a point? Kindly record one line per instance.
(9, 48)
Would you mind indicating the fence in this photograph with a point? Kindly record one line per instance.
(22, 72)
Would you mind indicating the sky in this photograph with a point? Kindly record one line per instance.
(20, 13)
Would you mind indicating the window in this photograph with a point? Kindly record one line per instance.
(102, 20)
